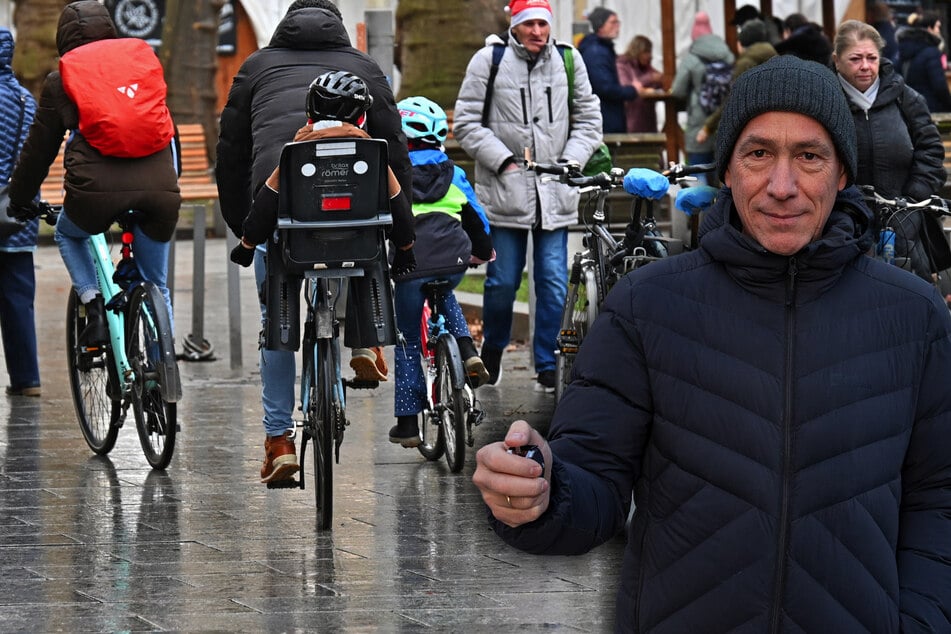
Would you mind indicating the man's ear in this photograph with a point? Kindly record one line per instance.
(727, 178)
(843, 178)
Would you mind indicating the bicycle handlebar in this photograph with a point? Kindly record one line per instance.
(46, 211)
(570, 174)
(680, 170)
(934, 204)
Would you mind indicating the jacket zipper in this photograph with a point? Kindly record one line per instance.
(551, 115)
(524, 108)
(779, 580)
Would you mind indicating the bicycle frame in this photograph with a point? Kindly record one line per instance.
(322, 290)
(105, 269)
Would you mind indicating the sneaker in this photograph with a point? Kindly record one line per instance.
(95, 333)
(406, 431)
(546, 382)
(492, 359)
(280, 457)
(33, 390)
(366, 364)
(476, 374)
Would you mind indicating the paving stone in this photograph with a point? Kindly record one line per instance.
(104, 543)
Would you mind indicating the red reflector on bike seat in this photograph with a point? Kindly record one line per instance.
(127, 237)
(335, 203)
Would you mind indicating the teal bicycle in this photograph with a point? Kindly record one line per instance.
(137, 368)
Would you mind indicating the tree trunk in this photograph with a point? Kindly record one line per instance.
(188, 54)
(433, 51)
(36, 55)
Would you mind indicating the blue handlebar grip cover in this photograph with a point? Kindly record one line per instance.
(646, 183)
(695, 199)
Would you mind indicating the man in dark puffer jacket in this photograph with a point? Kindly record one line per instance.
(775, 401)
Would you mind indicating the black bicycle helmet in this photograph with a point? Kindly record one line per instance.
(338, 95)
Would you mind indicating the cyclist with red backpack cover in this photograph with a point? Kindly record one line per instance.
(102, 183)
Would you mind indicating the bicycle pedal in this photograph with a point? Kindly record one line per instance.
(287, 483)
(476, 417)
(360, 384)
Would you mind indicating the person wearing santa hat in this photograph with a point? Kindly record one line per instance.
(531, 106)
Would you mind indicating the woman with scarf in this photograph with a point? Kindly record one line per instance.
(899, 148)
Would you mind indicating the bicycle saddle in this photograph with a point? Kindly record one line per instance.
(695, 199)
(646, 183)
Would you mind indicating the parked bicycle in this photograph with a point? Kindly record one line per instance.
(909, 238)
(453, 410)
(607, 258)
(137, 367)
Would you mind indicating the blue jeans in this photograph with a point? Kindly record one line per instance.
(17, 292)
(278, 369)
(698, 158)
(410, 397)
(151, 258)
(504, 276)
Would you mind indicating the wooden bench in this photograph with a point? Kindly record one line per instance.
(196, 181)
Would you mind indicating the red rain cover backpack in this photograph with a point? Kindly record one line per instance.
(118, 85)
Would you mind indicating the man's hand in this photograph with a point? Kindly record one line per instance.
(404, 261)
(513, 487)
(23, 213)
(242, 255)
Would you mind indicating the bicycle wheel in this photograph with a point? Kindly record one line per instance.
(432, 442)
(450, 403)
(151, 356)
(322, 415)
(590, 297)
(94, 384)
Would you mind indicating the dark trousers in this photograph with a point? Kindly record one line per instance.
(17, 324)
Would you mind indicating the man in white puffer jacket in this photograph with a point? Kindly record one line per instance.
(531, 107)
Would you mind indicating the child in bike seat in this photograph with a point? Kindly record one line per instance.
(337, 103)
(452, 234)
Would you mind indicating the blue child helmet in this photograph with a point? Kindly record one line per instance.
(423, 120)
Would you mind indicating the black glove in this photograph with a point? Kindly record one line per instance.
(404, 261)
(242, 255)
(23, 213)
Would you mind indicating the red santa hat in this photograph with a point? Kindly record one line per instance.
(524, 10)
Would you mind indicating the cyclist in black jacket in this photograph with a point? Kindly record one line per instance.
(261, 115)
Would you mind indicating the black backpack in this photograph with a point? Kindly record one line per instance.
(716, 84)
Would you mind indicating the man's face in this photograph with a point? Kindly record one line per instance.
(532, 34)
(610, 29)
(784, 173)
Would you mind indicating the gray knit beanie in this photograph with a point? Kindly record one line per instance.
(786, 83)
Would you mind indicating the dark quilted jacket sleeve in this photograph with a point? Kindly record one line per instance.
(924, 549)
(597, 455)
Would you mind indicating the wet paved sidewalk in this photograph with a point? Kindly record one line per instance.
(106, 544)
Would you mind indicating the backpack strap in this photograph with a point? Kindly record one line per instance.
(569, 60)
(497, 51)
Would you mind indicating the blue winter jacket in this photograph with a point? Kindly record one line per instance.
(601, 62)
(450, 223)
(920, 62)
(17, 107)
(784, 425)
